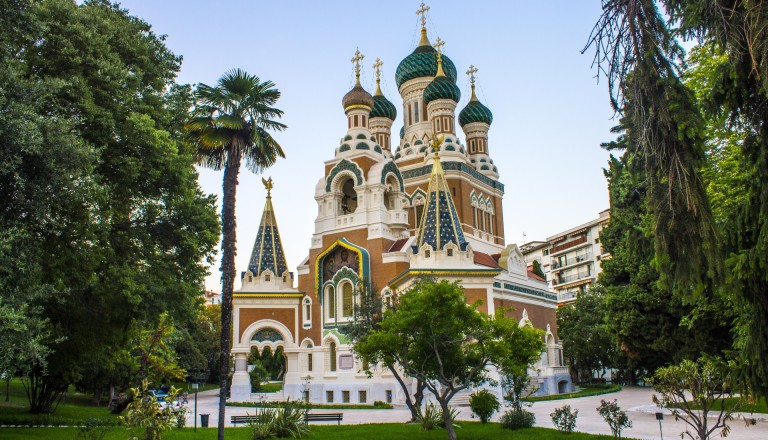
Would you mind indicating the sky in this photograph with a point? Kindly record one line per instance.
(550, 113)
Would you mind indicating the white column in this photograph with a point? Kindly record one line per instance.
(241, 380)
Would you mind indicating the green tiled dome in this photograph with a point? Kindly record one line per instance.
(382, 108)
(475, 111)
(423, 62)
(442, 88)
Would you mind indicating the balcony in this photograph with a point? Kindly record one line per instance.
(567, 296)
(578, 259)
(561, 247)
(571, 278)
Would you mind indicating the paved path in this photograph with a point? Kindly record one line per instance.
(636, 401)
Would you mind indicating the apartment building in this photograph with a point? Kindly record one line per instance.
(571, 259)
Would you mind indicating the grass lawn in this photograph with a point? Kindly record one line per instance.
(76, 406)
(184, 386)
(468, 430)
(585, 391)
(270, 387)
(759, 407)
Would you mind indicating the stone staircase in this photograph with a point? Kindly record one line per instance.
(461, 398)
(268, 397)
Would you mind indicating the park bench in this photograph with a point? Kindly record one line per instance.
(324, 417)
(244, 419)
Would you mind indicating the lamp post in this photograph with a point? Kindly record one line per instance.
(195, 387)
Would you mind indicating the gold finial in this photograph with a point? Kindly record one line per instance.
(356, 61)
(422, 11)
(471, 72)
(436, 142)
(268, 185)
(439, 48)
(377, 68)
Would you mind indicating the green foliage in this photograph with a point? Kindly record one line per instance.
(432, 417)
(517, 419)
(692, 391)
(537, 270)
(564, 419)
(449, 348)
(145, 417)
(614, 416)
(284, 422)
(115, 228)
(585, 391)
(483, 404)
(259, 375)
(513, 386)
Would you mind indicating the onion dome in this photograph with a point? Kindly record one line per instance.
(441, 87)
(382, 108)
(422, 62)
(475, 111)
(357, 97)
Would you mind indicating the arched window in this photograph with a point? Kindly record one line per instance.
(347, 301)
(307, 312)
(348, 197)
(386, 299)
(332, 356)
(391, 193)
(330, 303)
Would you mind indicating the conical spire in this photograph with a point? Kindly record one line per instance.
(267, 251)
(440, 222)
(422, 13)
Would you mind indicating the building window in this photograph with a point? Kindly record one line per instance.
(450, 252)
(427, 253)
(416, 111)
(330, 303)
(266, 277)
(309, 362)
(332, 356)
(347, 300)
(545, 252)
(307, 312)
(306, 396)
(345, 397)
(364, 121)
(329, 396)
(389, 396)
(437, 125)
(362, 396)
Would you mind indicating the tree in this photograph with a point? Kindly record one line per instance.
(588, 343)
(450, 347)
(229, 123)
(126, 234)
(697, 388)
(537, 270)
(368, 315)
(639, 52)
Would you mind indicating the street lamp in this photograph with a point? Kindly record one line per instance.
(195, 387)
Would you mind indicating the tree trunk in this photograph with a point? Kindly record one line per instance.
(228, 251)
(447, 416)
(408, 402)
(8, 388)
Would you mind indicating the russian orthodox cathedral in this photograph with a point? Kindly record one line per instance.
(431, 204)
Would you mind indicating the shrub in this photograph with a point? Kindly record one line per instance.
(289, 421)
(259, 375)
(430, 417)
(517, 418)
(564, 419)
(145, 418)
(264, 426)
(483, 404)
(614, 416)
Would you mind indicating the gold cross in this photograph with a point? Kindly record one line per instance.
(377, 68)
(423, 12)
(439, 45)
(471, 72)
(268, 185)
(356, 60)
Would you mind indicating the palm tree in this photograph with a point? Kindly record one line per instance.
(230, 123)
